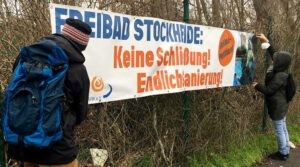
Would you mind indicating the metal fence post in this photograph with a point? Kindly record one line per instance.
(267, 63)
(186, 11)
(186, 98)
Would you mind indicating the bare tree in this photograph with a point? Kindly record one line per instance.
(216, 14)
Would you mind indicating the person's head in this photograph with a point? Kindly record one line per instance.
(281, 61)
(78, 31)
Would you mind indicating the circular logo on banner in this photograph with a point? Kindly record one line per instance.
(97, 84)
(226, 48)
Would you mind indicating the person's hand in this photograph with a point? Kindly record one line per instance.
(254, 84)
(262, 38)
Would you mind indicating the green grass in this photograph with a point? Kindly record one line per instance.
(294, 132)
(253, 150)
(84, 155)
(143, 162)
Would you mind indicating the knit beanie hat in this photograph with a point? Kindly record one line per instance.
(78, 31)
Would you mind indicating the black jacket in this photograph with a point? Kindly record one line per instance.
(75, 111)
(275, 82)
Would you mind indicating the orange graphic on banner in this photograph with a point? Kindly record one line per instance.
(97, 84)
(226, 48)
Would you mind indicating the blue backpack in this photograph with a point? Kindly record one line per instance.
(34, 97)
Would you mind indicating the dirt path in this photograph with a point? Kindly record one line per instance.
(293, 161)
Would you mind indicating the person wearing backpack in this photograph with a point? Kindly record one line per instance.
(73, 40)
(275, 93)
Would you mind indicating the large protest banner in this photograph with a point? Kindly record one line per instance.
(130, 57)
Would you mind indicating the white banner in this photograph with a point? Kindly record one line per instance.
(130, 57)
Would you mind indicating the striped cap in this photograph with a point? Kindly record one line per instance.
(77, 30)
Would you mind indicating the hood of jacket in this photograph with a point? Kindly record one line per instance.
(69, 46)
(281, 61)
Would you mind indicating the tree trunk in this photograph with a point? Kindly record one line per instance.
(205, 12)
(262, 13)
(199, 11)
(216, 13)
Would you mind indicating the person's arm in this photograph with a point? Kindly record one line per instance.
(266, 44)
(83, 95)
(271, 51)
(79, 83)
(272, 87)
